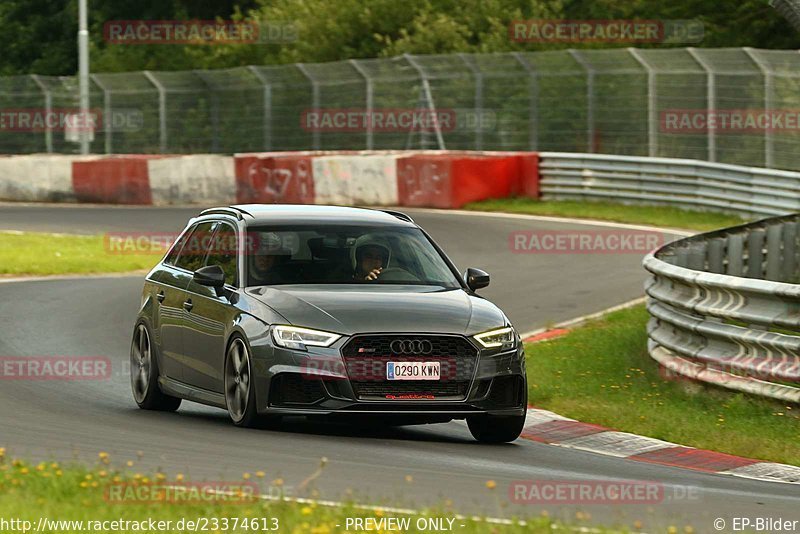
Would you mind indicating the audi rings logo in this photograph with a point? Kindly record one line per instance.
(411, 346)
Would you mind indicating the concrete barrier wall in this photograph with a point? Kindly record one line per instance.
(429, 178)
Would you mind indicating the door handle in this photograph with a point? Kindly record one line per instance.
(160, 296)
(188, 305)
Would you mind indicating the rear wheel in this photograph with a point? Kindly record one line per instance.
(144, 375)
(496, 428)
(240, 397)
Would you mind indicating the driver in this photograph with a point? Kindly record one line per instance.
(370, 256)
(267, 257)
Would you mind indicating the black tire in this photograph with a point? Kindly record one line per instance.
(144, 374)
(240, 391)
(496, 428)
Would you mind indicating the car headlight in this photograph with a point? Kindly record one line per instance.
(503, 338)
(295, 337)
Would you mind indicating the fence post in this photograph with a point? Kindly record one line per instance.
(590, 73)
(769, 87)
(214, 110)
(315, 100)
(267, 103)
(478, 76)
(107, 124)
(368, 99)
(162, 110)
(533, 100)
(711, 101)
(652, 110)
(426, 87)
(48, 108)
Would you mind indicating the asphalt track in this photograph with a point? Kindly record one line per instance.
(93, 317)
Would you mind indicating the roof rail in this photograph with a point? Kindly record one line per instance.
(232, 211)
(399, 215)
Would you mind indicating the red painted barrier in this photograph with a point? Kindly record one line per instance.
(274, 178)
(529, 174)
(452, 180)
(112, 181)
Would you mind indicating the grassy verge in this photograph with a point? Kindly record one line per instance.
(79, 494)
(601, 373)
(608, 211)
(31, 253)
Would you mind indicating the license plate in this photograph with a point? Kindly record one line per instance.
(413, 371)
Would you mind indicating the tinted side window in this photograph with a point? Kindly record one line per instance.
(174, 253)
(193, 253)
(224, 252)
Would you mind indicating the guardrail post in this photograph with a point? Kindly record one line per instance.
(48, 108)
(716, 258)
(315, 101)
(652, 110)
(266, 123)
(368, 99)
(774, 259)
(790, 252)
(162, 110)
(696, 257)
(711, 101)
(590, 124)
(735, 255)
(533, 100)
(755, 253)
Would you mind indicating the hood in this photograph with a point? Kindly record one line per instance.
(359, 308)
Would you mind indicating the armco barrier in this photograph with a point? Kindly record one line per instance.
(725, 308)
(685, 183)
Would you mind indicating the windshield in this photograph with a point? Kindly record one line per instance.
(326, 254)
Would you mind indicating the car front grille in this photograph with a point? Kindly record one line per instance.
(365, 358)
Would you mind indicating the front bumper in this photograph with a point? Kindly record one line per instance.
(322, 382)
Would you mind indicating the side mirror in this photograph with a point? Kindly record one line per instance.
(476, 279)
(211, 276)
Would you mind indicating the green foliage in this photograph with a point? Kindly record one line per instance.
(39, 36)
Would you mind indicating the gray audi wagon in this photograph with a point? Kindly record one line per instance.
(274, 310)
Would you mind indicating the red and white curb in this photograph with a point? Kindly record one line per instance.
(553, 429)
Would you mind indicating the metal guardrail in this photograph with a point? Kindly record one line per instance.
(725, 307)
(685, 183)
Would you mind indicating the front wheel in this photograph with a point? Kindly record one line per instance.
(144, 375)
(496, 428)
(240, 395)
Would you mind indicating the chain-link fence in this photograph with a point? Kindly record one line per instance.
(726, 105)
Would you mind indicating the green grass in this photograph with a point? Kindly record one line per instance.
(76, 493)
(601, 373)
(50, 254)
(662, 216)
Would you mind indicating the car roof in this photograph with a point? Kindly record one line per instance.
(256, 214)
